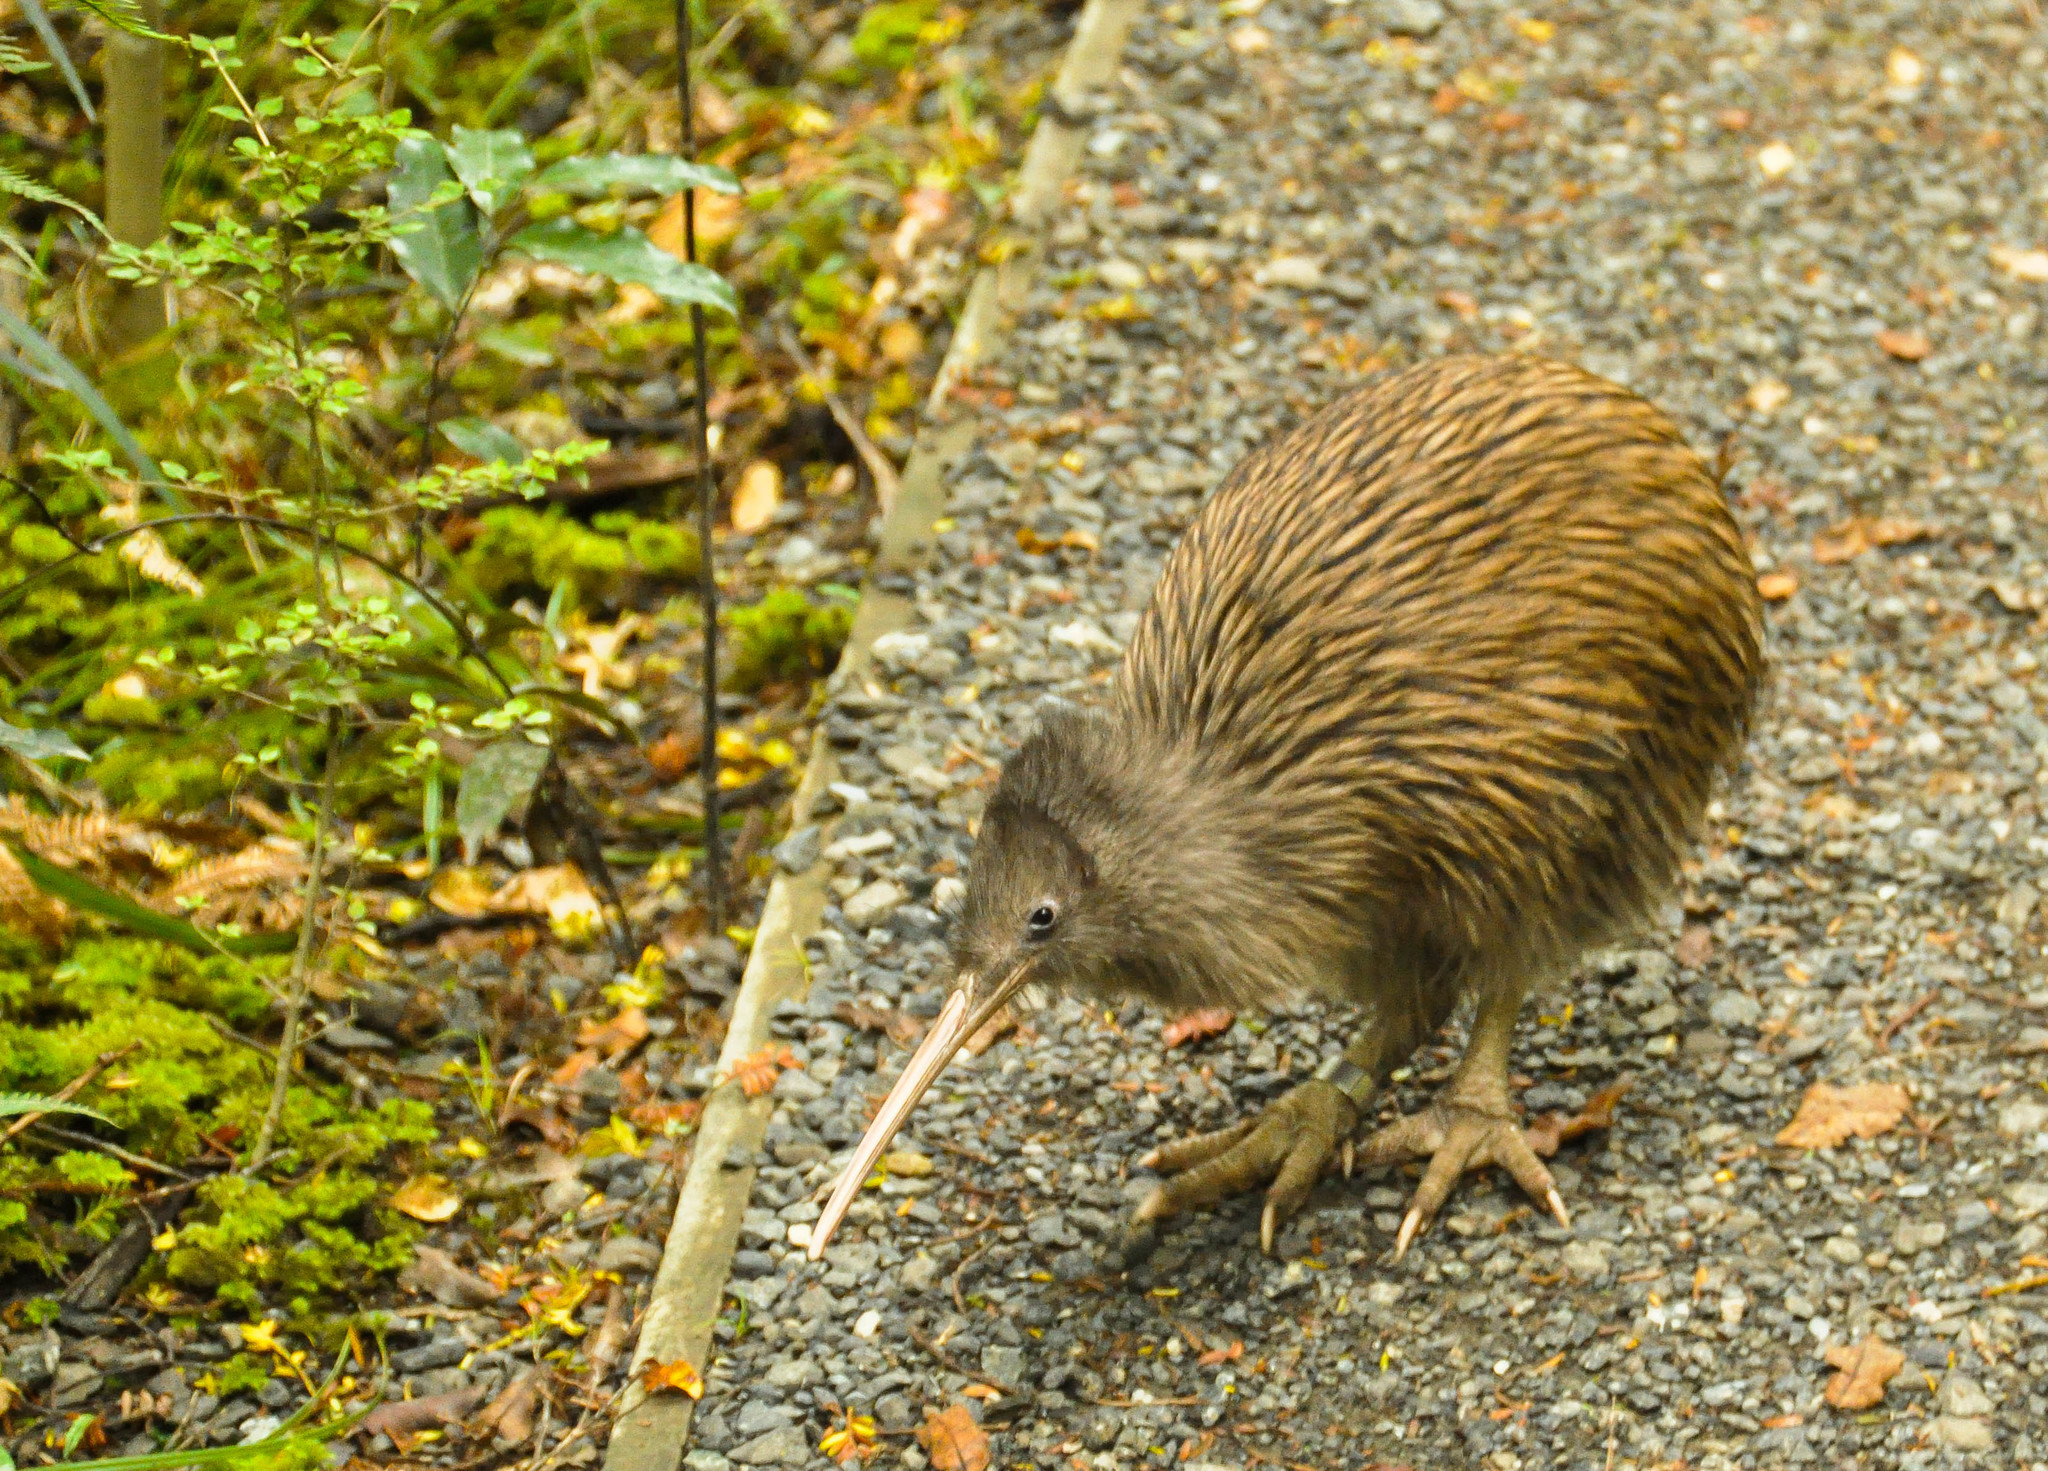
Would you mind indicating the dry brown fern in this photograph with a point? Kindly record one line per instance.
(257, 885)
(89, 840)
(24, 906)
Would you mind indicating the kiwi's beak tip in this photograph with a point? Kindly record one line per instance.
(949, 1032)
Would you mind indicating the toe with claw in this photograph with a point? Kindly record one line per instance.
(1291, 1144)
(1456, 1138)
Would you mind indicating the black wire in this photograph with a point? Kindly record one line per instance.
(707, 580)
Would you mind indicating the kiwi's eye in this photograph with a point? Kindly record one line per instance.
(1038, 925)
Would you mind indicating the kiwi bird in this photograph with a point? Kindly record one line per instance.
(1429, 700)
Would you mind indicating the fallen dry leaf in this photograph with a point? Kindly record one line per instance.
(1776, 160)
(1695, 947)
(999, 1025)
(757, 1072)
(2027, 265)
(618, 1036)
(674, 756)
(1865, 1370)
(953, 1440)
(462, 892)
(1547, 1131)
(1208, 1022)
(758, 494)
(1215, 1356)
(899, 1027)
(679, 1375)
(719, 218)
(1767, 395)
(1828, 1115)
(442, 1278)
(426, 1198)
(1853, 538)
(400, 1418)
(1904, 344)
(1775, 587)
(509, 1417)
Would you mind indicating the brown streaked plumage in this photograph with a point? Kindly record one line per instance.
(1428, 700)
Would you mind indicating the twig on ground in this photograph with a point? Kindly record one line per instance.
(946, 1360)
(887, 481)
(1891, 1030)
(127, 1157)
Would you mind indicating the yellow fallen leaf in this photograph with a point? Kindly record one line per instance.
(1767, 395)
(462, 892)
(2027, 265)
(426, 1198)
(759, 493)
(678, 1375)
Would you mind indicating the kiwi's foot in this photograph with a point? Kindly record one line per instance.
(1291, 1142)
(1455, 1138)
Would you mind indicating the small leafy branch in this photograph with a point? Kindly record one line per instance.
(367, 668)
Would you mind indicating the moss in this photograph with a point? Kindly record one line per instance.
(518, 549)
(785, 636)
(310, 1230)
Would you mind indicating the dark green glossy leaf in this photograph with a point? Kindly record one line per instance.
(480, 439)
(38, 745)
(498, 781)
(637, 173)
(492, 164)
(440, 247)
(627, 256)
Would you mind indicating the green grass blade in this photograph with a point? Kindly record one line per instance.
(54, 44)
(43, 355)
(82, 893)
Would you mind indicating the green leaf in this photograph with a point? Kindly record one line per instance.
(627, 256)
(82, 893)
(22, 186)
(480, 439)
(76, 1433)
(498, 780)
(443, 252)
(38, 745)
(14, 1105)
(54, 44)
(637, 173)
(492, 164)
(53, 367)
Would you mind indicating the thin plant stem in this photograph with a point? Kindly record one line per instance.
(707, 562)
(302, 958)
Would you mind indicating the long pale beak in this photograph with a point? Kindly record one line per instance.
(956, 1023)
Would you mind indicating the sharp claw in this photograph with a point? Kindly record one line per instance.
(1556, 1204)
(1409, 1227)
(1151, 1207)
(1267, 1220)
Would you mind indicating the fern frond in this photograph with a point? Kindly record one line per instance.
(13, 1105)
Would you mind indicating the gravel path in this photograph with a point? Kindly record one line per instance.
(1805, 232)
